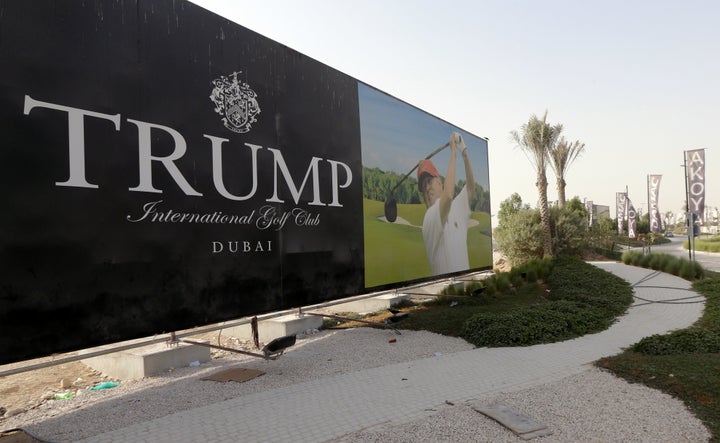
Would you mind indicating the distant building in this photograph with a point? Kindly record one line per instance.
(596, 212)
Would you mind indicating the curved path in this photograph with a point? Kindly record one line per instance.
(331, 407)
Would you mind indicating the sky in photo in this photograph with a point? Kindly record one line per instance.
(395, 136)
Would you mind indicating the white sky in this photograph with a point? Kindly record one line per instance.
(637, 81)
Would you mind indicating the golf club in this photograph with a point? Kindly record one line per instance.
(390, 202)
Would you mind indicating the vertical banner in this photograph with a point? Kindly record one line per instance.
(632, 220)
(695, 173)
(653, 198)
(620, 210)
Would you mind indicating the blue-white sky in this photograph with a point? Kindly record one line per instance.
(637, 81)
(395, 136)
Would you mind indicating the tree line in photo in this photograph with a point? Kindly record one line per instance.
(377, 183)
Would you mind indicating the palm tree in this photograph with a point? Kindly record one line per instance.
(669, 220)
(536, 138)
(561, 156)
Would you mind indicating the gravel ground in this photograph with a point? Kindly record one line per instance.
(590, 407)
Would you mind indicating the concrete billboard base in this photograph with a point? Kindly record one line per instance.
(160, 357)
(367, 305)
(273, 328)
(148, 360)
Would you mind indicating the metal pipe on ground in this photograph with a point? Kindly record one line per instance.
(337, 317)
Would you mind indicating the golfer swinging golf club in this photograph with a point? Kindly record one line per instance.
(446, 221)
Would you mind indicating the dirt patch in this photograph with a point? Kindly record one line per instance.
(27, 390)
(594, 256)
(18, 436)
(22, 392)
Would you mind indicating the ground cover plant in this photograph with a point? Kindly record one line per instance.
(530, 305)
(685, 363)
(579, 299)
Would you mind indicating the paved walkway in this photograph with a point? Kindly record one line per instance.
(328, 408)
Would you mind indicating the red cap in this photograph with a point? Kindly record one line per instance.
(426, 167)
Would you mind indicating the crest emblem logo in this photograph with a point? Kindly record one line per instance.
(236, 102)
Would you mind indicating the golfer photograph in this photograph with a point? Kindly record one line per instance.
(421, 218)
(445, 224)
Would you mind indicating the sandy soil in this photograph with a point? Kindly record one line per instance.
(22, 392)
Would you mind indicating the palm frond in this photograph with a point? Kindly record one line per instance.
(536, 138)
(563, 154)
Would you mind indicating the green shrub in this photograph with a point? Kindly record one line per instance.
(584, 299)
(516, 277)
(454, 289)
(654, 261)
(644, 261)
(569, 228)
(545, 268)
(531, 275)
(520, 236)
(686, 341)
(502, 281)
(520, 327)
(660, 261)
(710, 288)
(633, 258)
(698, 271)
(629, 257)
(537, 269)
(665, 263)
(490, 287)
(687, 270)
(673, 267)
(473, 287)
(581, 318)
(538, 324)
(601, 238)
(585, 283)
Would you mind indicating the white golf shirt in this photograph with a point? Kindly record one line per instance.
(446, 246)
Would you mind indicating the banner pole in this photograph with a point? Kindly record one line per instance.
(625, 213)
(647, 191)
(688, 217)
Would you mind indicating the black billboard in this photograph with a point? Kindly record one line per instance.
(162, 168)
